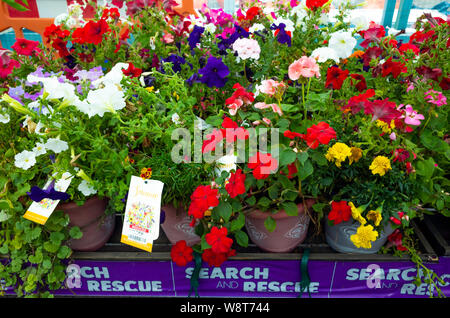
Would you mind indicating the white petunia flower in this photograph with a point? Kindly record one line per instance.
(4, 118)
(323, 54)
(176, 119)
(211, 28)
(86, 188)
(343, 43)
(361, 23)
(25, 159)
(61, 18)
(256, 28)
(107, 99)
(39, 149)
(114, 76)
(56, 145)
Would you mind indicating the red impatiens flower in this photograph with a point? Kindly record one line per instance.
(315, 4)
(395, 239)
(356, 103)
(218, 240)
(383, 110)
(340, 212)
(132, 71)
(25, 47)
(321, 133)
(203, 198)
(394, 68)
(216, 259)
(262, 165)
(181, 253)
(236, 184)
(335, 77)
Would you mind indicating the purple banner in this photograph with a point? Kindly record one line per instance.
(268, 279)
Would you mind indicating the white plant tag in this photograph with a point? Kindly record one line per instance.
(39, 212)
(142, 213)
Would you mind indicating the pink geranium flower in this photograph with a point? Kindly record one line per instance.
(410, 116)
(270, 86)
(275, 107)
(305, 67)
(436, 98)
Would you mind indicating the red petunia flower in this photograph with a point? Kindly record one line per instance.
(370, 54)
(361, 84)
(445, 83)
(356, 103)
(218, 240)
(216, 259)
(132, 71)
(7, 64)
(373, 34)
(400, 155)
(262, 165)
(203, 198)
(340, 212)
(429, 73)
(315, 4)
(321, 133)
(383, 110)
(335, 77)
(61, 46)
(236, 184)
(25, 47)
(394, 68)
(181, 253)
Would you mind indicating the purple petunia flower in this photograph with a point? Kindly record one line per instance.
(195, 35)
(37, 194)
(214, 73)
(176, 61)
(282, 35)
(16, 93)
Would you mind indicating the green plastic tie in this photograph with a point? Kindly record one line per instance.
(306, 280)
(195, 275)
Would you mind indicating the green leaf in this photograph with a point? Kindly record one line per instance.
(264, 202)
(426, 168)
(302, 157)
(56, 237)
(204, 245)
(241, 238)
(288, 108)
(306, 170)
(51, 247)
(251, 200)
(237, 223)
(273, 191)
(287, 156)
(64, 252)
(290, 208)
(224, 210)
(75, 233)
(270, 224)
(17, 6)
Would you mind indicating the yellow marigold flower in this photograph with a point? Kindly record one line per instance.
(364, 236)
(338, 153)
(385, 127)
(150, 89)
(356, 213)
(356, 154)
(146, 173)
(380, 165)
(375, 216)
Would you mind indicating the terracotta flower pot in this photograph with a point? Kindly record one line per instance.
(97, 227)
(289, 232)
(338, 237)
(177, 227)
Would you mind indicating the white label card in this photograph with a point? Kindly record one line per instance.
(142, 213)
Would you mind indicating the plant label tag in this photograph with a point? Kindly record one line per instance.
(142, 213)
(39, 212)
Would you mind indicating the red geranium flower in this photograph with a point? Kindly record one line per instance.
(262, 164)
(236, 184)
(383, 110)
(230, 131)
(292, 170)
(92, 32)
(181, 253)
(25, 47)
(394, 68)
(218, 240)
(315, 4)
(340, 212)
(335, 77)
(408, 46)
(395, 239)
(291, 134)
(216, 259)
(251, 13)
(203, 198)
(132, 71)
(321, 133)
(53, 32)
